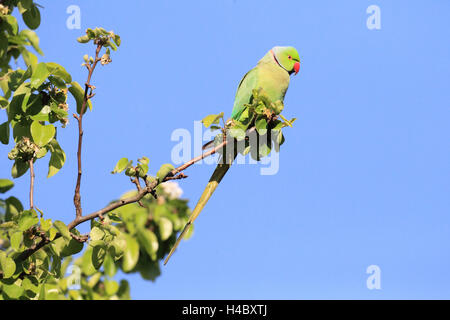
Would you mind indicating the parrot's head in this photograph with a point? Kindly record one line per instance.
(287, 58)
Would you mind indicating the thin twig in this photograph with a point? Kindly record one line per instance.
(30, 162)
(179, 176)
(88, 86)
(81, 238)
(139, 188)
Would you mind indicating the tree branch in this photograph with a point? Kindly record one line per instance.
(30, 163)
(139, 188)
(149, 189)
(77, 196)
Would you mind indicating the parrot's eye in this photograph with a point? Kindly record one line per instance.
(289, 57)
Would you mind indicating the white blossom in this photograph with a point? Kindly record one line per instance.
(172, 189)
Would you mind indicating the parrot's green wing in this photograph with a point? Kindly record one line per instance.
(244, 92)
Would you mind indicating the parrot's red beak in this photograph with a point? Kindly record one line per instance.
(297, 67)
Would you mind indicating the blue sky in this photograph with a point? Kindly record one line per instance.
(364, 173)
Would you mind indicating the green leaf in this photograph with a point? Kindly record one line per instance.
(25, 100)
(49, 292)
(42, 135)
(111, 44)
(32, 17)
(59, 71)
(39, 75)
(27, 219)
(57, 82)
(212, 119)
(94, 279)
(119, 244)
(214, 127)
(13, 291)
(117, 40)
(121, 165)
(124, 290)
(15, 80)
(56, 267)
(12, 25)
(78, 93)
(3, 102)
(41, 153)
(16, 240)
(29, 58)
(246, 116)
(31, 284)
(32, 104)
(102, 31)
(164, 171)
(24, 5)
(280, 138)
(144, 160)
(96, 234)
(238, 132)
(19, 168)
(83, 39)
(18, 41)
(150, 270)
(142, 170)
(114, 217)
(13, 208)
(3, 44)
(98, 254)
(86, 263)
(261, 126)
(4, 132)
(33, 38)
(71, 248)
(5, 185)
(109, 266)
(165, 228)
(264, 150)
(46, 224)
(7, 265)
(58, 244)
(149, 241)
(57, 159)
(52, 233)
(111, 287)
(277, 125)
(131, 254)
(62, 228)
(90, 33)
(140, 217)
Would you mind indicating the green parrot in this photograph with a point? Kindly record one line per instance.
(272, 75)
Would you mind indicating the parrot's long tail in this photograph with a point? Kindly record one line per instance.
(214, 181)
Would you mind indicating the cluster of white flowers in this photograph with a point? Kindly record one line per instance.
(172, 189)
